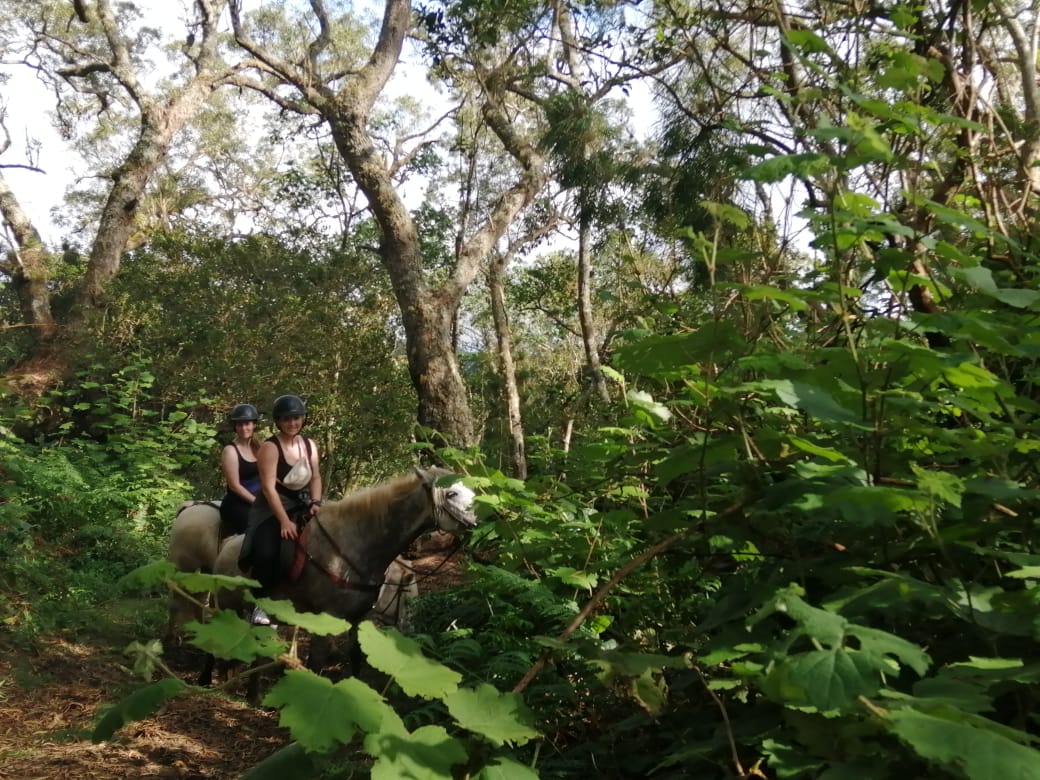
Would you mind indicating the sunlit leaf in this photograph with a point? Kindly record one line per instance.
(319, 623)
(226, 635)
(320, 713)
(147, 576)
(502, 768)
(428, 753)
(501, 718)
(395, 654)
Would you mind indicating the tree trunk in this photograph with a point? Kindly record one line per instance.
(28, 266)
(346, 104)
(159, 127)
(504, 338)
(443, 401)
(589, 339)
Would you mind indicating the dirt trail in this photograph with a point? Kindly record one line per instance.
(50, 699)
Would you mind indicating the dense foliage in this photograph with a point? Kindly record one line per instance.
(796, 539)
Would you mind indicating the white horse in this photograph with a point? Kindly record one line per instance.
(195, 546)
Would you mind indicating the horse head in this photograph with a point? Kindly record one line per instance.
(452, 503)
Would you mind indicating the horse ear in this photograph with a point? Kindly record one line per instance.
(422, 475)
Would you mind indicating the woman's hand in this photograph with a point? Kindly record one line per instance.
(288, 530)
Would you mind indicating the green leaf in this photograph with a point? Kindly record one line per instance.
(1025, 573)
(881, 643)
(146, 657)
(820, 624)
(502, 718)
(977, 753)
(291, 762)
(147, 576)
(140, 704)
(725, 212)
(319, 713)
(654, 355)
(395, 654)
(502, 768)
(644, 400)
(940, 485)
(804, 165)
(814, 449)
(314, 623)
(813, 401)
(227, 635)
(807, 41)
(428, 753)
(571, 576)
(829, 680)
(755, 292)
(197, 582)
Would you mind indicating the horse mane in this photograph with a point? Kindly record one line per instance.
(371, 502)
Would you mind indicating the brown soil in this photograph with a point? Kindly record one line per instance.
(51, 698)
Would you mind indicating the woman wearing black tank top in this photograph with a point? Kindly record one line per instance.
(290, 480)
(238, 461)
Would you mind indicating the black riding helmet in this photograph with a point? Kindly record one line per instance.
(288, 406)
(244, 413)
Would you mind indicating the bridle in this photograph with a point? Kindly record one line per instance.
(440, 509)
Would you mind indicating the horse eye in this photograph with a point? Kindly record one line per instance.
(453, 493)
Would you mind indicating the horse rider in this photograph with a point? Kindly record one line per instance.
(238, 461)
(290, 485)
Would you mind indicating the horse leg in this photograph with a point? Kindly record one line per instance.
(206, 673)
(354, 655)
(318, 656)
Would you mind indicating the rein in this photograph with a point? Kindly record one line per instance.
(338, 579)
(420, 576)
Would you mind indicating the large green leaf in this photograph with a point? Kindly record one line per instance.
(197, 582)
(978, 753)
(428, 753)
(291, 762)
(813, 401)
(667, 354)
(500, 717)
(226, 635)
(320, 713)
(392, 653)
(829, 680)
(505, 769)
(147, 576)
(140, 704)
(314, 623)
(880, 644)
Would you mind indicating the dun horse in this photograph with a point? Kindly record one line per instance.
(195, 543)
(351, 542)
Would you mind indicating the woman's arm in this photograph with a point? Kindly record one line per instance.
(315, 486)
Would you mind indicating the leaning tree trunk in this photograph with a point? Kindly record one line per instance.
(160, 125)
(27, 266)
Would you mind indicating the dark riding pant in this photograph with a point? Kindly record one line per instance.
(260, 556)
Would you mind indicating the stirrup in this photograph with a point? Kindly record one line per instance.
(260, 618)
